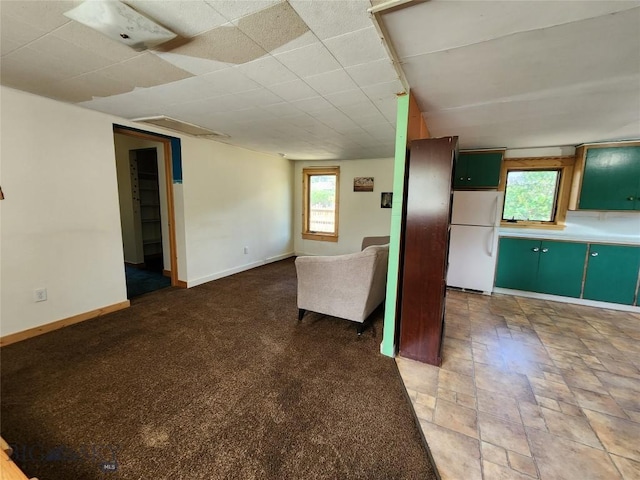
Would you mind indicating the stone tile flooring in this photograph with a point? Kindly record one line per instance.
(531, 389)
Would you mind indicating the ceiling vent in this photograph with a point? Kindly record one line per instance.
(182, 127)
(121, 23)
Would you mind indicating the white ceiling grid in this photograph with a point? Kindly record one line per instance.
(325, 94)
(523, 74)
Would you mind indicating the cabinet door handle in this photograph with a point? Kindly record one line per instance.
(631, 199)
(468, 179)
(545, 250)
(461, 178)
(535, 249)
(594, 254)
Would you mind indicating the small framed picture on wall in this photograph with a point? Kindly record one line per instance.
(363, 184)
(386, 199)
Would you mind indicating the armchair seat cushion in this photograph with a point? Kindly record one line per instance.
(347, 286)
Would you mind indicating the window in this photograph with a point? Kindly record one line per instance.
(536, 191)
(320, 203)
(531, 195)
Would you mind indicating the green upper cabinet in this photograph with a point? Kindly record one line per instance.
(478, 169)
(611, 179)
(561, 268)
(612, 273)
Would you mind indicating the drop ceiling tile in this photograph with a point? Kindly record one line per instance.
(446, 25)
(181, 91)
(328, 19)
(30, 70)
(267, 71)
(41, 14)
(309, 60)
(7, 46)
(233, 9)
(226, 43)
(348, 97)
(303, 40)
(293, 91)
(381, 130)
(85, 87)
(145, 70)
(282, 109)
(273, 27)
(362, 111)
(533, 61)
(331, 82)
(76, 59)
(78, 34)
(187, 18)
(260, 97)
(370, 73)
(385, 90)
(194, 65)
(228, 80)
(314, 104)
(357, 47)
(18, 33)
(124, 106)
(373, 119)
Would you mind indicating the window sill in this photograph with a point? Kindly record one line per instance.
(321, 237)
(539, 225)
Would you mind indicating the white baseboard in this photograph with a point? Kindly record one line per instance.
(577, 301)
(241, 268)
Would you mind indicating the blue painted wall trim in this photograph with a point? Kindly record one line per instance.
(176, 160)
(176, 150)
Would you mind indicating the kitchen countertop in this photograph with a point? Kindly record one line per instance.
(572, 236)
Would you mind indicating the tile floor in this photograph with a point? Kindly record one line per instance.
(531, 389)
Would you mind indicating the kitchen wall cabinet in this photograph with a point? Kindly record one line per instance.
(542, 266)
(607, 177)
(612, 273)
(424, 247)
(478, 170)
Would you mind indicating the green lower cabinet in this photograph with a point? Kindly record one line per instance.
(518, 263)
(561, 268)
(612, 273)
(541, 266)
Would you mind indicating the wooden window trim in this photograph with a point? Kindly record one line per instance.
(564, 164)
(306, 174)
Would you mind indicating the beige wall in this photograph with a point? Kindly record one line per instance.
(360, 212)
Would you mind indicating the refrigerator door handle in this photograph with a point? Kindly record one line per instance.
(493, 238)
(494, 220)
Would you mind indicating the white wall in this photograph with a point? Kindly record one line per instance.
(61, 221)
(360, 212)
(234, 198)
(60, 216)
(131, 229)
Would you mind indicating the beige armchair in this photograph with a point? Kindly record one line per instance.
(346, 286)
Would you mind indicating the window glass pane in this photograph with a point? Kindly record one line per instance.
(531, 195)
(322, 203)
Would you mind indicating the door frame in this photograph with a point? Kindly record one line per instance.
(166, 142)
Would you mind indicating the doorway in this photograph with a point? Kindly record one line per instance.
(146, 276)
(145, 190)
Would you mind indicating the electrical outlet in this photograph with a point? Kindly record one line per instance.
(246, 250)
(40, 294)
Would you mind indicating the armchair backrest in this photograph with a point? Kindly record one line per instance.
(368, 241)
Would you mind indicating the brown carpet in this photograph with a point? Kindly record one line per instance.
(215, 382)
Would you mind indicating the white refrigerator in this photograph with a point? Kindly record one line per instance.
(473, 244)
